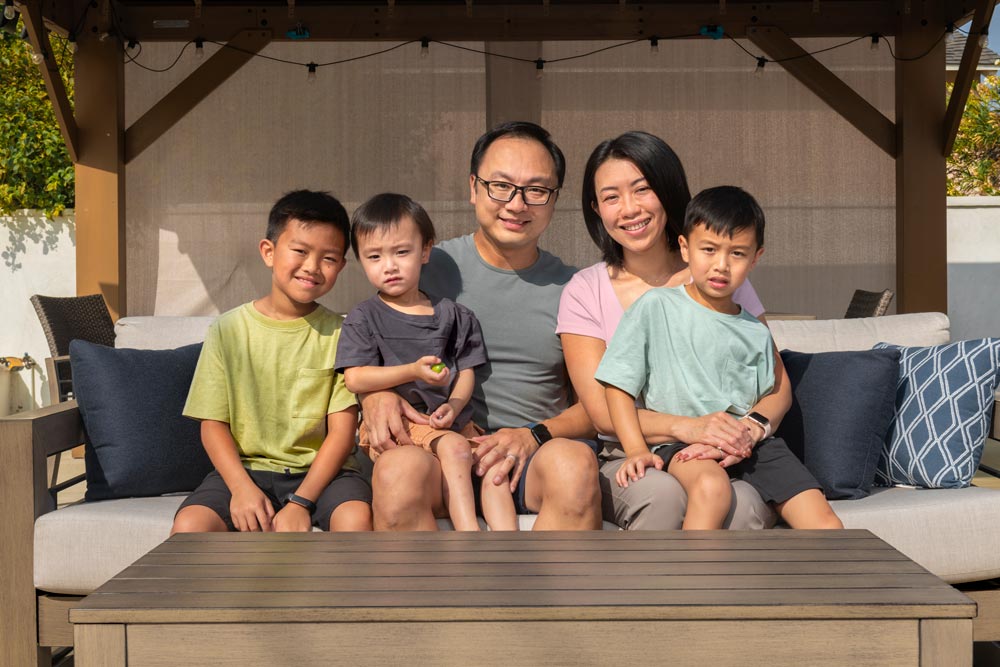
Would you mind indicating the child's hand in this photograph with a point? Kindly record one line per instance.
(634, 468)
(443, 417)
(250, 510)
(423, 369)
(292, 518)
(707, 452)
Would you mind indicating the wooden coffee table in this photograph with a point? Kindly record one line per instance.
(563, 598)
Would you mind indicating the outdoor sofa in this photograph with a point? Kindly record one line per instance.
(53, 557)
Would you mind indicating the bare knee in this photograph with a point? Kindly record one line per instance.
(710, 489)
(351, 516)
(198, 519)
(454, 450)
(568, 471)
(399, 487)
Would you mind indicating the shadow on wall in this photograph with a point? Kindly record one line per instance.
(972, 301)
(36, 229)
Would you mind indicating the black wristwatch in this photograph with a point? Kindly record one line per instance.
(299, 500)
(540, 433)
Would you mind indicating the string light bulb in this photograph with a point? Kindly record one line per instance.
(425, 47)
(759, 70)
(71, 40)
(875, 40)
(199, 48)
(654, 45)
(311, 76)
(983, 37)
(539, 68)
(8, 10)
(37, 58)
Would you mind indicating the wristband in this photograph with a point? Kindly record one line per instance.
(539, 432)
(302, 502)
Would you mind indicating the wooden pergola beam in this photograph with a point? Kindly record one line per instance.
(39, 39)
(853, 108)
(188, 93)
(966, 74)
(504, 21)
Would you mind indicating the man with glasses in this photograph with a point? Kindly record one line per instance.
(513, 287)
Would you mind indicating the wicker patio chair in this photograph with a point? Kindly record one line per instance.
(68, 318)
(869, 304)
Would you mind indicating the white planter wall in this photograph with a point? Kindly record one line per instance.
(974, 266)
(37, 256)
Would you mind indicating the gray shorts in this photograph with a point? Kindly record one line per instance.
(346, 486)
(772, 469)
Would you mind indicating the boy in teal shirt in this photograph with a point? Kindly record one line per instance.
(691, 351)
(276, 420)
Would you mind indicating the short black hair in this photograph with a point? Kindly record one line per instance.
(309, 207)
(725, 210)
(519, 129)
(661, 168)
(385, 211)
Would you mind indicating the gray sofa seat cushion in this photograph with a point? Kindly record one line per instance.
(913, 330)
(951, 532)
(79, 547)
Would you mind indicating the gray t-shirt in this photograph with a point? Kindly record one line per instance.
(525, 378)
(683, 358)
(374, 334)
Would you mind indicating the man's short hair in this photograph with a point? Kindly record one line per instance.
(519, 129)
(385, 211)
(725, 210)
(308, 207)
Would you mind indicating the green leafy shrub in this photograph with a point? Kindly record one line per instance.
(974, 164)
(35, 168)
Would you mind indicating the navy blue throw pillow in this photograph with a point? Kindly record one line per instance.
(844, 404)
(138, 443)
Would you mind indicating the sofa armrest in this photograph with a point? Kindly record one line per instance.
(27, 439)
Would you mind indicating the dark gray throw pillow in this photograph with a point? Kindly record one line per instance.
(138, 443)
(844, 404)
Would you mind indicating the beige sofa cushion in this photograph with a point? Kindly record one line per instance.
(916, 329)
(79, 547)
(160, 332)
(951, 532)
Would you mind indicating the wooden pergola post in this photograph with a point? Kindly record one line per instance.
(100, 171)
(921, 185)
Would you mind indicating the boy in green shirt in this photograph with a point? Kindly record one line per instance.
(276, 421)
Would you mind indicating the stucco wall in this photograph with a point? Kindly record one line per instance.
(38, 257)
(974, 266)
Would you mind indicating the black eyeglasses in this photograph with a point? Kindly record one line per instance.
(502, 191)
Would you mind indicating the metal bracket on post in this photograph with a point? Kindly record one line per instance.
(197, 9)
(291, 9)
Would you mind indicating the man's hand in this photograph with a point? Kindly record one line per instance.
(443, 417)
(718, 429)
(250, 510)
(511, 448)
(292, 518)
(423, 369)
(634, 468)
(386, 416)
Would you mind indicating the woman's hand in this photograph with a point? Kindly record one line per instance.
(719, 430)
(634, 468)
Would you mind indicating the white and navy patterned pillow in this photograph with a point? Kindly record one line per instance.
(944, 401)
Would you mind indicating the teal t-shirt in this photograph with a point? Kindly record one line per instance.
(681, 358)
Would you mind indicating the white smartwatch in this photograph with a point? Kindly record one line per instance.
(760, 420)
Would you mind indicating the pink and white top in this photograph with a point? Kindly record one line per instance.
(590, 307)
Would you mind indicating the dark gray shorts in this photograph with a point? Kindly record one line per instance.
(772, 469)
(346, 486)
